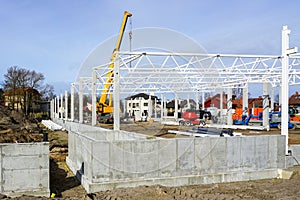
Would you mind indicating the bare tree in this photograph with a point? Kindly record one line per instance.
(35, 79)
(24, 85)
(47, 92)
(11, 83)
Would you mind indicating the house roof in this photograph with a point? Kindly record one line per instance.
(143, 95)
(171, 104)
(185, 102)
(21, 91)
(294, 99)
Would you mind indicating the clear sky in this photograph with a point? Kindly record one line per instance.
(55, 36)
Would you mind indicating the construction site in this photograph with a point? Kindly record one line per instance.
(142, 127)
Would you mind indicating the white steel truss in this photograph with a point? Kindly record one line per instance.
(177, 73)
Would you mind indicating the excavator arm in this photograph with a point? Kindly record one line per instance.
(105, 104)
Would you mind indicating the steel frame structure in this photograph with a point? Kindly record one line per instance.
(182, 73)
(223, 71)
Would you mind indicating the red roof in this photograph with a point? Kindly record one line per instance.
(21, 91)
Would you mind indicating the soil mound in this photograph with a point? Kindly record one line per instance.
(15, 127)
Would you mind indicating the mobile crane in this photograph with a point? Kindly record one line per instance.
(104, 107)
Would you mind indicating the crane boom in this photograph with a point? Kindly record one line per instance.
(103, 106)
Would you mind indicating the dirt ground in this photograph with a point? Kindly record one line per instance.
(63, 184)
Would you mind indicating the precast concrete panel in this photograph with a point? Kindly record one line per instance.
(167, 157)
(295, 153)
(31, 162)
(1, 170)
(101, 161)
(281, 149)
(128, 162)
(86, 159)
(203, 159)
(248, 157)
(219, 154)
(272, 151)
(116, 164)
(262, 153)
(234, 157)
(147, 158)
(71, 146)
(130, 159)
(185, 156)
(23, 149)
(25, 180)
(24, 169)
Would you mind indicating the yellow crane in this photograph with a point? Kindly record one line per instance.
(104, 106)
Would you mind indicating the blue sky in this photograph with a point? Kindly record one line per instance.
(55, 36)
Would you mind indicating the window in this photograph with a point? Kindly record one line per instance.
(145, 104)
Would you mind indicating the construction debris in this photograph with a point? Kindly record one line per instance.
(15, 127)
(51, 125)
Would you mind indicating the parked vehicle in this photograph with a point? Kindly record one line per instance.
(105, 118)
(275, 121)
(194, 118)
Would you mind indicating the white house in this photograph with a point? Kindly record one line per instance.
(141, 106)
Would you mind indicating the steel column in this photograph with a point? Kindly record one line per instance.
(245, 97)
(72, 101)
(116, 93)
(285, 85)
(266, 105)
(66, 105)
(80, 94)
(229, 107)
(61, 106)
(176, 107)
(94, 98)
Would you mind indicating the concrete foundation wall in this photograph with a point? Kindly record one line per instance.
(295, 154)
(24, 169)
(93, 131)
(107, 164)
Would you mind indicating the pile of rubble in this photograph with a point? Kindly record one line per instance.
(16, 127)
